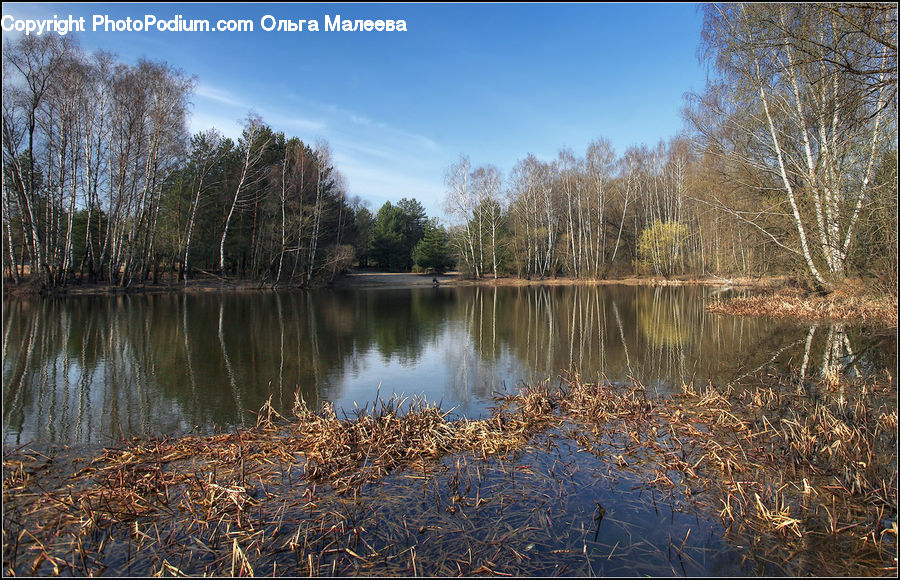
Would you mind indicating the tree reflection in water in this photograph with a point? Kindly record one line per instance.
(94, 369)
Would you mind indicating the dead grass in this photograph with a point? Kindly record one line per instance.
(780, 468)
(849, 303)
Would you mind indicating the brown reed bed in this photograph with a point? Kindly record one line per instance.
(569, 478)
(787, 468)
(847, 303)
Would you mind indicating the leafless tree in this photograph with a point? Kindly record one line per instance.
(207, 152)
(37, 60)
(488, 184)
(253, 143)
(807, 87)
(460, 203)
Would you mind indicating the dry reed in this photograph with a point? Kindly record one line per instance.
(845, 304)
(401, 490)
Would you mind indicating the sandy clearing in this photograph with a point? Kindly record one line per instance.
(362, 279)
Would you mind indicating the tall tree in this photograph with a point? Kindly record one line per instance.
(460, 204)
(364, 222)
(414, 221)
(254, 140)
(488, 182)
(208, 148)
(388, 238)
(809, 90)
(38, 61)
(535, 221)
(432, 253)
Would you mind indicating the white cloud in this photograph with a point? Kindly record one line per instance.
(379, 183)
(226, 110)
(422, 140)
(280, 122)
(229, 126)
(380, 162)
(218, 95)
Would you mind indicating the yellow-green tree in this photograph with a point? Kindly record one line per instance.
(661, 247)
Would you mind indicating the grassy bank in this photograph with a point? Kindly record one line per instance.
(787, 478)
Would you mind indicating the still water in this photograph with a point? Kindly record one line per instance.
(94, 369)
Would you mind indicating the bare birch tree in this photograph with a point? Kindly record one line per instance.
(599, 166)
(488, 183)
(253, 142)
(536, 221)
(207, 150)
(37, 60)
(810, 123)
(460, 204)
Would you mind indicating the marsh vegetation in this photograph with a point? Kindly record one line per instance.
(564, 478)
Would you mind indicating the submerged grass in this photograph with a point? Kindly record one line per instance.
(565, 478)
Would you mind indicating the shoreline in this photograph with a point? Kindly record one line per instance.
(27, 289)
(366, 279)
(774, 296)
(849, 304)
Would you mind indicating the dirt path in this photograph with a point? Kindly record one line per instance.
(378, 279)
(363, 279)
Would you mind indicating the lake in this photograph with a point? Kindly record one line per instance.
(95, 369)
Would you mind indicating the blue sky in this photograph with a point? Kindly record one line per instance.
(492, 81)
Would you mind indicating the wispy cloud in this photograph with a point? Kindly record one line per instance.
(279, 122)
(218, 95)
(421, 140)
(380, 161)
(380, 182)
(225, 108)
(360, 120)
(346, 119)
(228, 125)
(386, 154)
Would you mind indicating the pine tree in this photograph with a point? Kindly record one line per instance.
(432, 253)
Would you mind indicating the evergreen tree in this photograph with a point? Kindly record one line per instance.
(365, 223)
(414, 220)
(396, 231)
(432, 253)
(387, 238)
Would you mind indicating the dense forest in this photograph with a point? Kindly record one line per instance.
(787, 163)
(101, 180)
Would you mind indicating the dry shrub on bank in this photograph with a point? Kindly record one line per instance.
(788, 464)
(365, 447)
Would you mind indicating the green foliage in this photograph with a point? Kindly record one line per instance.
(387, 238)
(364, 225)
(661, 247)
(396, 231)
(432, 253)
(414, 221)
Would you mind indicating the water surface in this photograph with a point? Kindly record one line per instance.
(94, 369)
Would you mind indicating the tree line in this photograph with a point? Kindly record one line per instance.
(787, 163)
(102, 182)
(400, 237)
